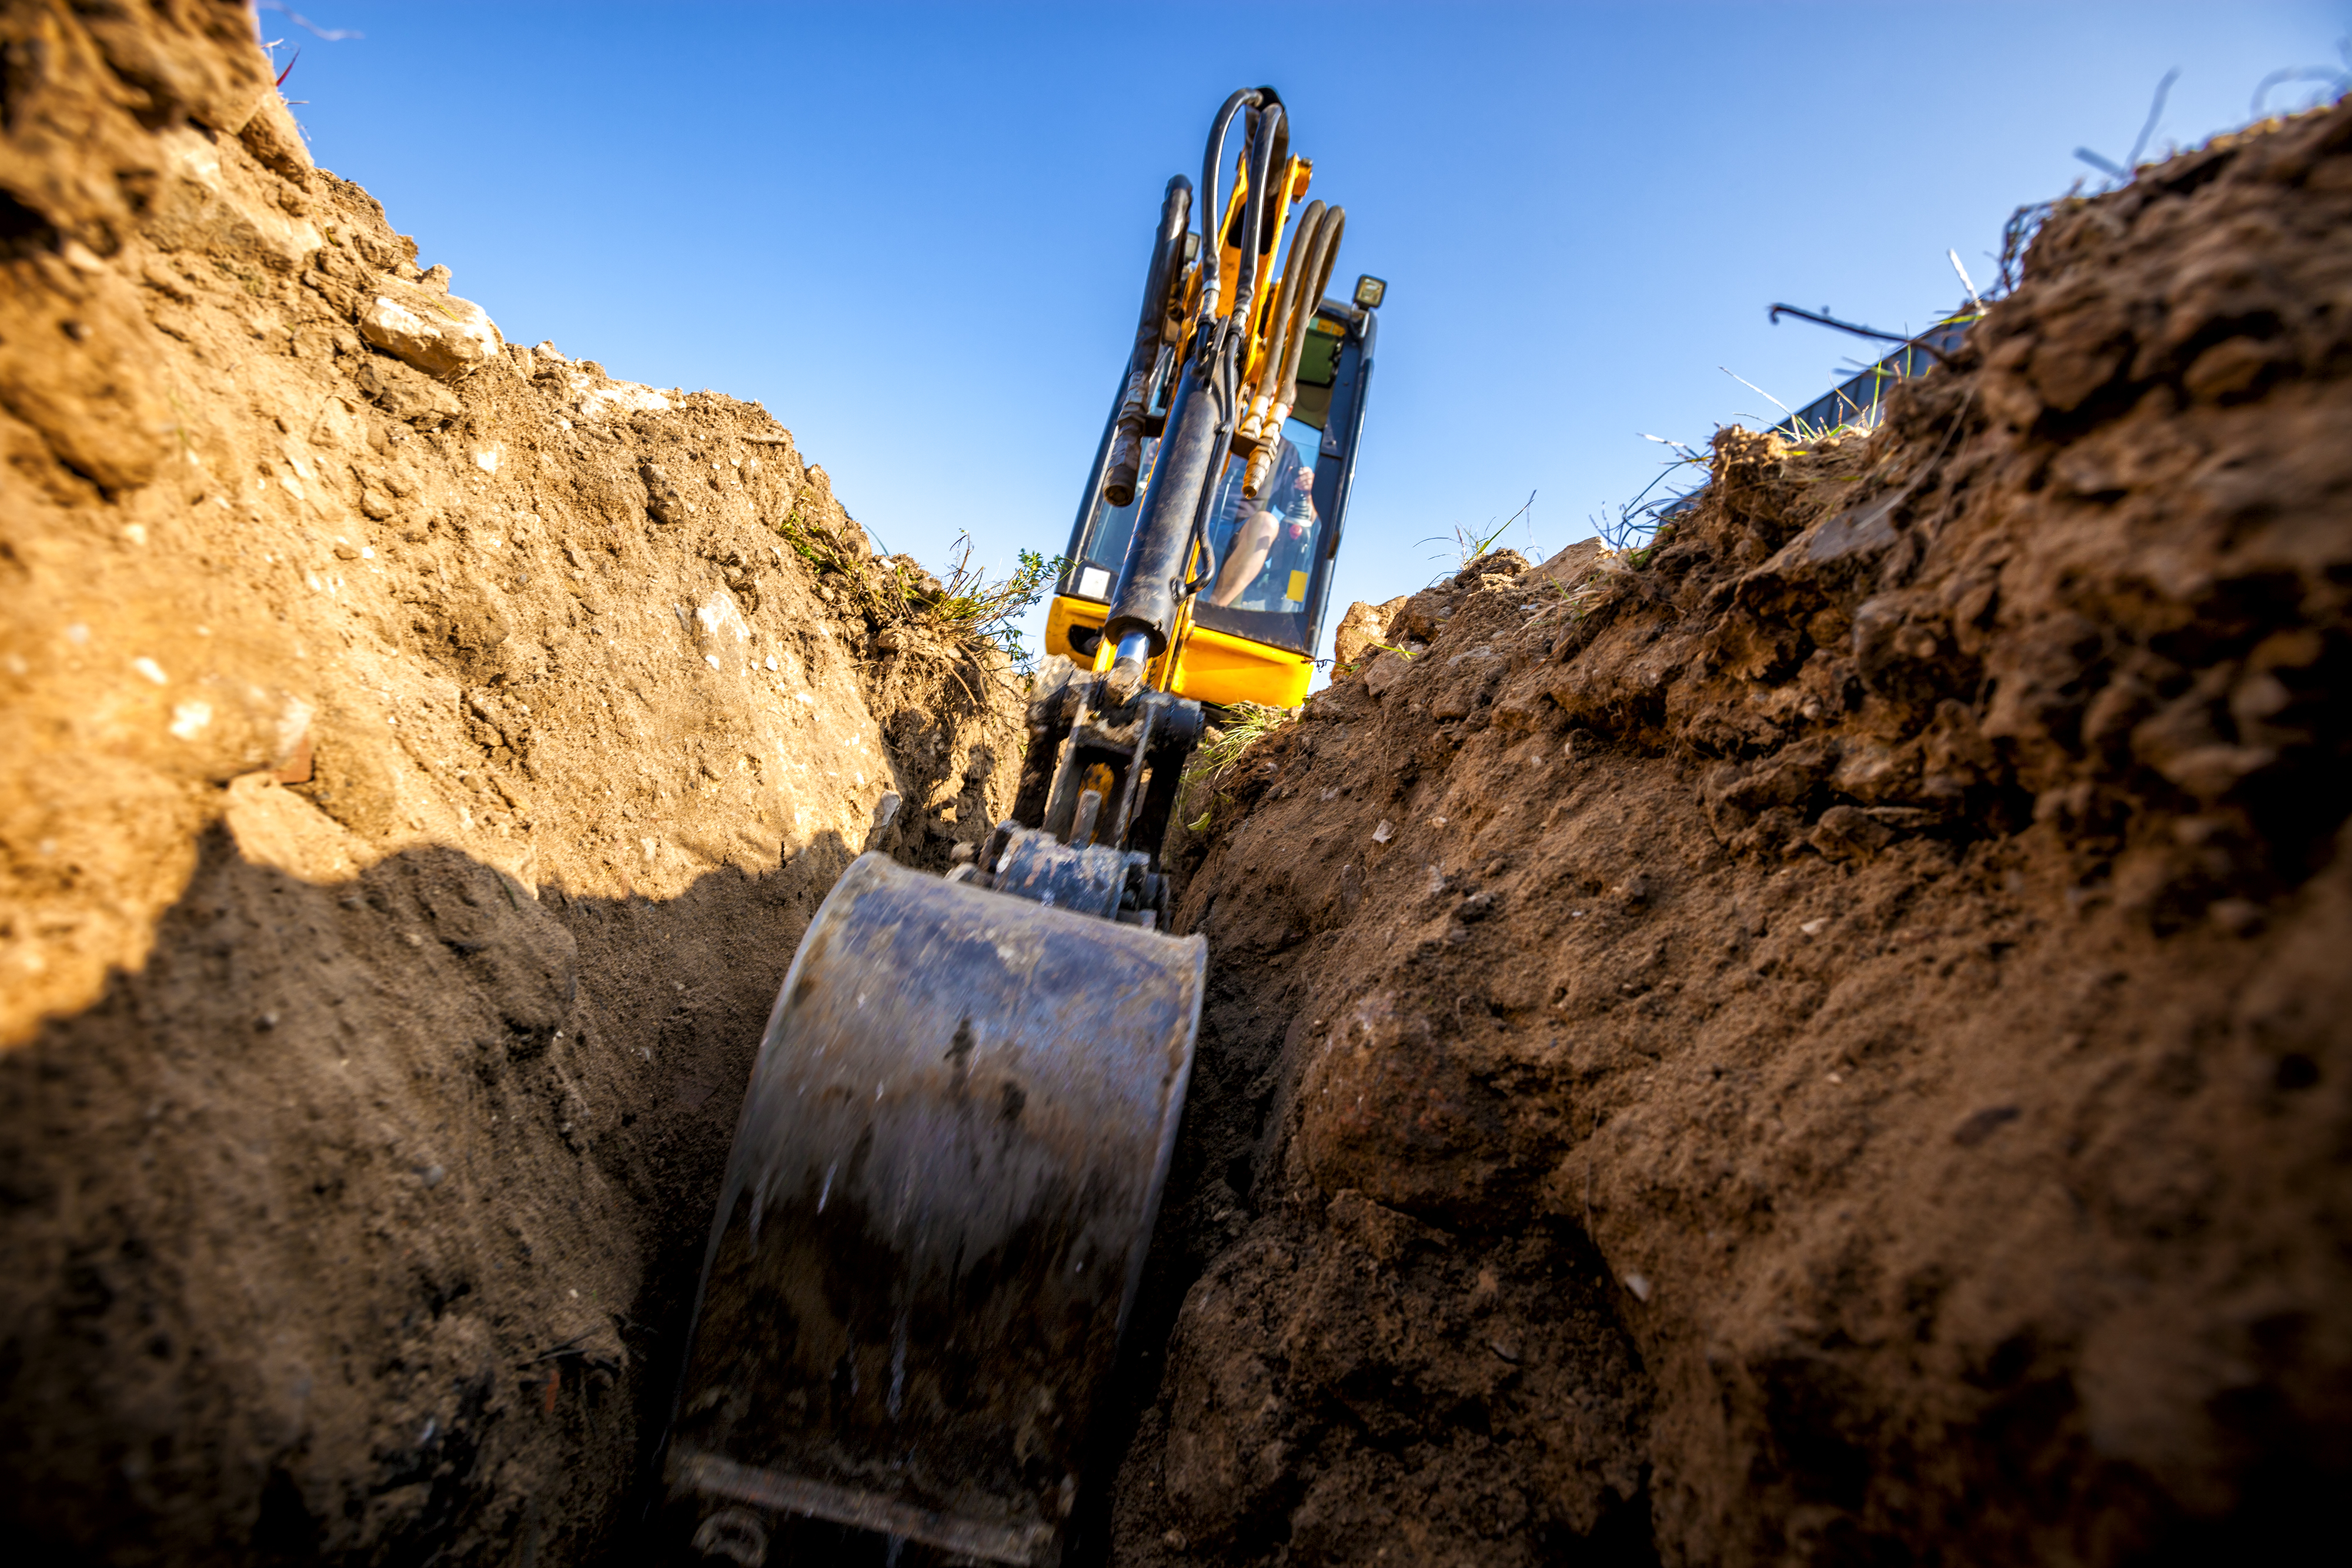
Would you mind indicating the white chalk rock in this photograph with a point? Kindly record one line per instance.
(721, 633)
(438, 333)
(596, 397)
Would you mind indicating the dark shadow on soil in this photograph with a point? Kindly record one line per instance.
(362, 1220)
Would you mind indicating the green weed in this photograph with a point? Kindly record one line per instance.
(1469, 544)
(1247, 723)
(969, 609)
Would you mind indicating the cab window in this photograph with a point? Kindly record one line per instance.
(1265, 546)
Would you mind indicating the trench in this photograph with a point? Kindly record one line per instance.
(1819, 1038)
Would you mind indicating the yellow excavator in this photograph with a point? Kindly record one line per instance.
(951, 1149)
(1304, 367)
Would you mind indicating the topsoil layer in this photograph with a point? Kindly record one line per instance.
(422, 757)
(1828, 1038)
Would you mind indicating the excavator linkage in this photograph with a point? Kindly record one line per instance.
(951, 1152)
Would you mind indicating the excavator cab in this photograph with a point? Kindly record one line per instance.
(949, 1161)
(1255, 627)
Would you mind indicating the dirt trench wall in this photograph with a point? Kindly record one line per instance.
(1825, 1039)
(423, 754)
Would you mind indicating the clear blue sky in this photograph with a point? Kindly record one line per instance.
(917, 233)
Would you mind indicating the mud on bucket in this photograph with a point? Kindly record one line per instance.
(940, 1195)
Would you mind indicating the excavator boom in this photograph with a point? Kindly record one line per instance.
(952, 1150)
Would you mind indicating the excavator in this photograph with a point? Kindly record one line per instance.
(952, 1147)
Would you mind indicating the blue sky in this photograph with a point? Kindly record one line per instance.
(917, 233)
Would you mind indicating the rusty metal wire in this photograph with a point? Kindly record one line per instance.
(1919, 342)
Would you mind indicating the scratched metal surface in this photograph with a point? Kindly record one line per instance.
(941, 1190)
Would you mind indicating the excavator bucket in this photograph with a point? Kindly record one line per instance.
(942, 1188)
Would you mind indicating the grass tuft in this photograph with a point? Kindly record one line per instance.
(968, 609)
(1246, 725)
(1250, 724)
(1469, 544)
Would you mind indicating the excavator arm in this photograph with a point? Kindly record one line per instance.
(1222, 481)
(952, 1150)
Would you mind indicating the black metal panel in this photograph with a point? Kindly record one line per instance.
(1354, 387)
(1858, 398)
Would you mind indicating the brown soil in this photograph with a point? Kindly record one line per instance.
(424, 756)
(1825, 1039)
(1821, 1040)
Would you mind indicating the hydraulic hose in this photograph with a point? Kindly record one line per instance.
(1166, 267)
(1284, 321)
(1281, 324)
(1213, 209)
(1269, 150)
(1321, 253)
(1213, 216)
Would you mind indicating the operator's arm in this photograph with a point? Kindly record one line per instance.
(1245, 557)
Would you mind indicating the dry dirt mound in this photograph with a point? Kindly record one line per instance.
(1825, 1039)
(423, 754)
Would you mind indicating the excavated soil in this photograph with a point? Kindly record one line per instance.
(1825, 1039)
(424, 755)
(1822, 1040)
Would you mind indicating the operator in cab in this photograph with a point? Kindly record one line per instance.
(1267, 544)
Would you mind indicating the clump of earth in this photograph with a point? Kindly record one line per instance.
(1824, 1038)
(425, 752)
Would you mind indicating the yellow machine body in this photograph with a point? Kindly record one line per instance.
(1211, 666)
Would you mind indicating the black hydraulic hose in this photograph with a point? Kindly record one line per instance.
(1269, 147)
(1278, 190)
(1213, 212)
(1125, 468)
(1227, 384)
